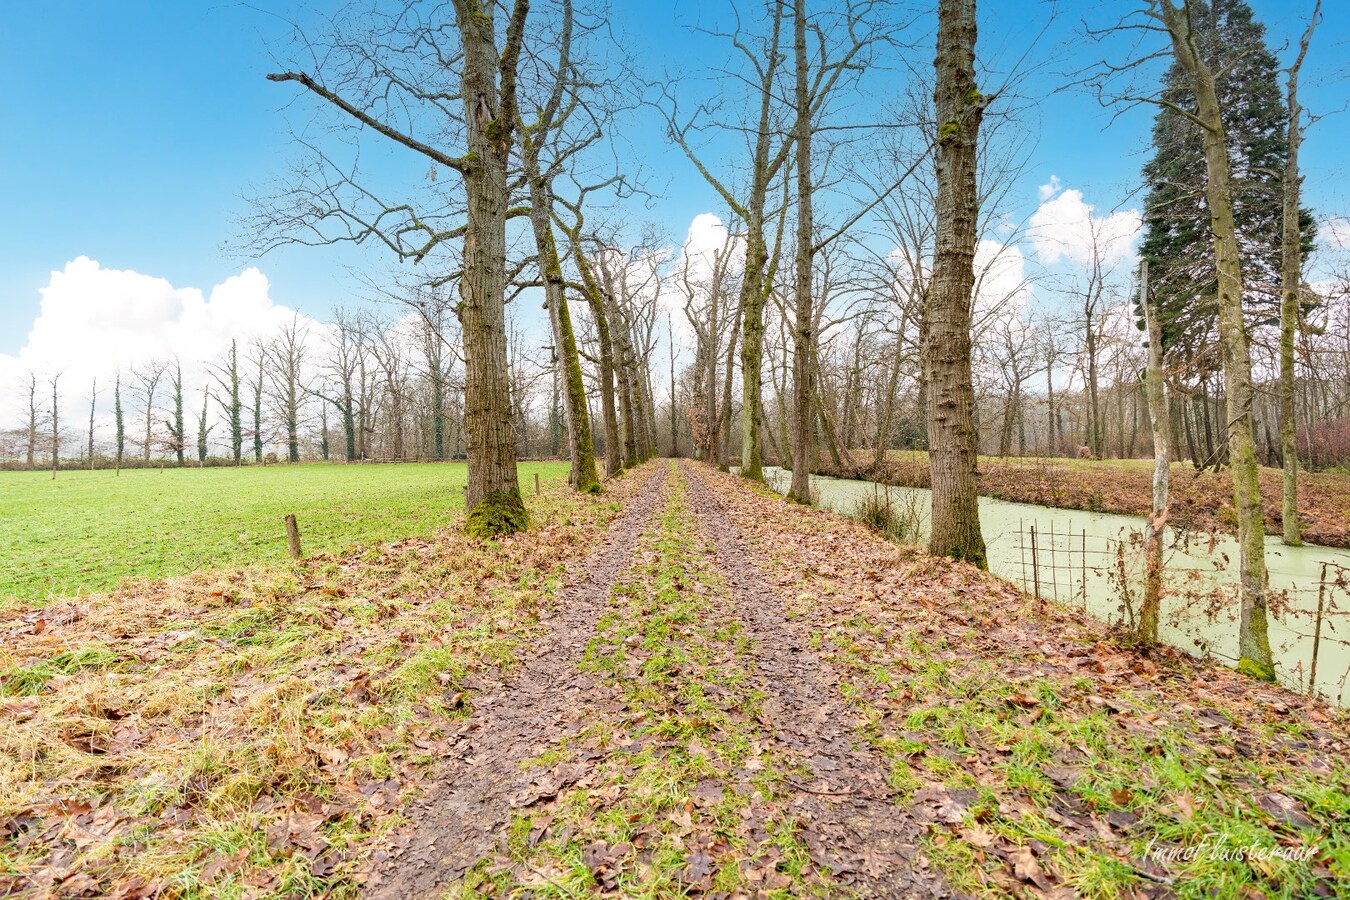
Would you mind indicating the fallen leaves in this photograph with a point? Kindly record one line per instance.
(1062, 732)
(209, 707)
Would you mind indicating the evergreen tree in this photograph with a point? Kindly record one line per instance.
(121, 422)
(1177, 242)
(202, 430)
(176, 427)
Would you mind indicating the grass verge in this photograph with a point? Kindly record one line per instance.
(89, 531)
(243, 734)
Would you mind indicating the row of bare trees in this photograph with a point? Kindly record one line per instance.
(868, 292)
(359, 388)
(843, 347)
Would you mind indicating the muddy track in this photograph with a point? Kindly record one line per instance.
(458, 820)
(848, 818)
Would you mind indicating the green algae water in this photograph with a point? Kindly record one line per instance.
(1095, 561)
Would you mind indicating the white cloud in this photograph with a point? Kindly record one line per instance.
(1337, 230)
(706, 238)
(94, 322)
(1065, 226)
(1000, 276)
(1049, 189)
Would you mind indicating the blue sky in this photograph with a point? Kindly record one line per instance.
(134, 130)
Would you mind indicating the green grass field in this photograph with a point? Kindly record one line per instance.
(86, 531)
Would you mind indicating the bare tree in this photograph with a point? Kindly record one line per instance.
(148, 376)
(176, 426)
(31, 385)
(592, 290)
(226, 375)
(391, 355)
(947, 320)
(548, 133)
(1091, 292)
(768, 155)
(93, 403)
(486, 121)
(56, 424)
(1291, 278)
(119, 421)
(257, 361)
(803, 340)
(286, 358)
(341, 384)
(203, 430)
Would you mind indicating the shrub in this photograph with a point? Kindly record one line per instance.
(898, 519)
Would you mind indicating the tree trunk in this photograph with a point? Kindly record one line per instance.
(1094, 435)
(883, 445)
(724, 422)
(1291, 275)
(710, 419)
(752, 333)
(581, 445)
(803, 340)
(93, 400)
(119, 423)
(257, 413)
(946, 350)
(1157, 412)
(32, 419)
(179, 435)
(1050, 445)
(1253, 640)
(56, 430)
(594, 297)
(674, 429)
(624, 370)
(492, 496)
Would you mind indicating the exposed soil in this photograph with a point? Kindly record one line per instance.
(471, 796)
(852, 820)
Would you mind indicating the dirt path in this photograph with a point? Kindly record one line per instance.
(457, 822)
(848, 816)
(674, 735)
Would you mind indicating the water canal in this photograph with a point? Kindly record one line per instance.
(1083, 558)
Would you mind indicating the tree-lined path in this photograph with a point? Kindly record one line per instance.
(738, 696)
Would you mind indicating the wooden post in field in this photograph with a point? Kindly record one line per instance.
(292, 536)
(536, 483)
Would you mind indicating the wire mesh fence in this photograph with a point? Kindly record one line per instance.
(1104, 575)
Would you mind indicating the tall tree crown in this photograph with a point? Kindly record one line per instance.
(1177, 240)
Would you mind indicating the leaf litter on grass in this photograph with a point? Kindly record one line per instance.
(1046, 757)
(248, 733)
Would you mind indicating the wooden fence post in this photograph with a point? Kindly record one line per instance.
(1035, 563)
(1317, 631)
(536, 483)
(292, 536)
